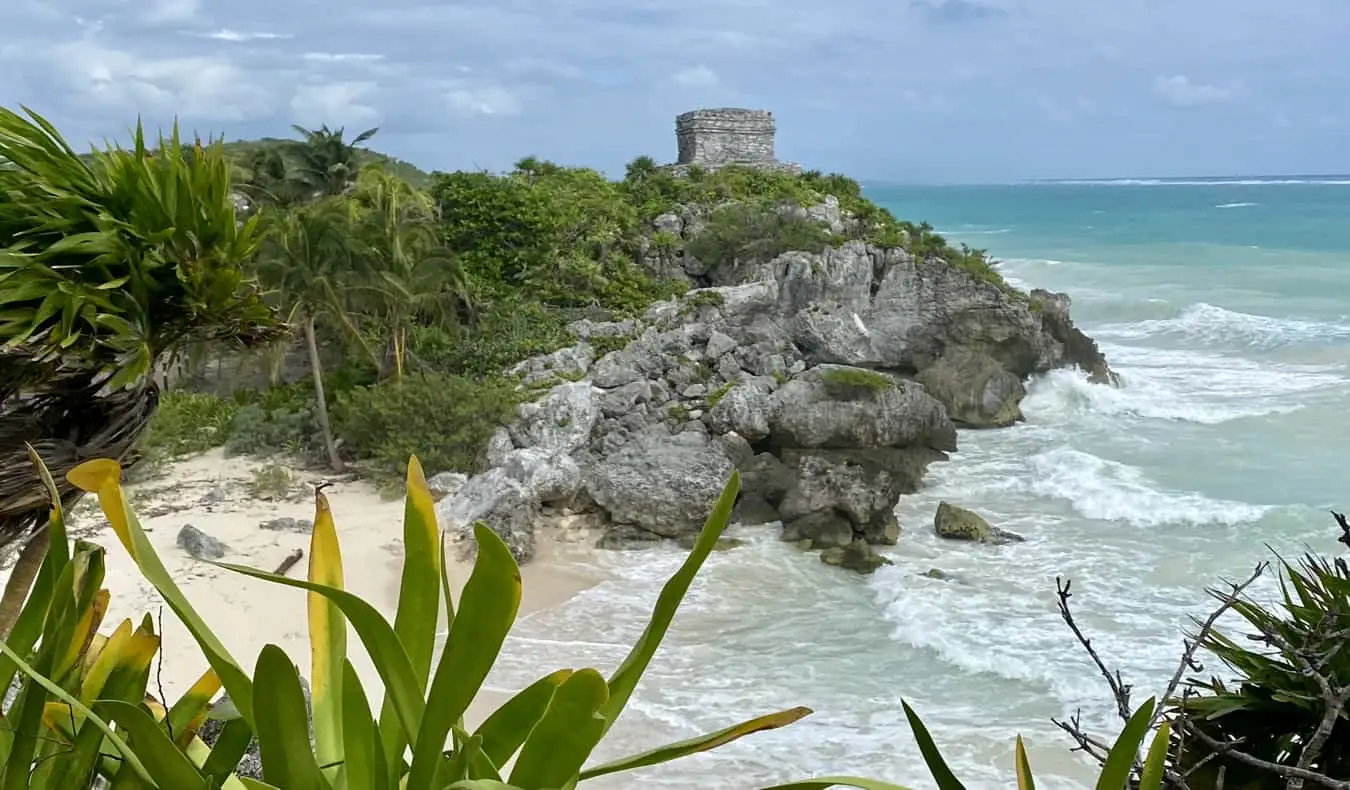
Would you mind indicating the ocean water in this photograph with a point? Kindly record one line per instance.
(1225, 307)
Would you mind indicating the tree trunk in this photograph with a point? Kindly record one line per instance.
(316, 367)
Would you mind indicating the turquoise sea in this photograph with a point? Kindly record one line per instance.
(1225, 306)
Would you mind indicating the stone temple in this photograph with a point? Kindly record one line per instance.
(714, 138)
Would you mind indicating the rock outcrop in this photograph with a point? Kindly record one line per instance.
(830, 380)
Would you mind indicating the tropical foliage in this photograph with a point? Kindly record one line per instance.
(1287, 707)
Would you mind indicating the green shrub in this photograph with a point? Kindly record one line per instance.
(454, 416)
(270, 482)
(256, 430)
(715, 397)
(509, 333)
(187, 422)
(855, 382)
(751, 232)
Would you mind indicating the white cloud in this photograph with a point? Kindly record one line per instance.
(492, 100)
(226, 34)
(334, 103)
(1180, 91)
(206, 87)
(171, 11)
(697, 76)
(342, 57)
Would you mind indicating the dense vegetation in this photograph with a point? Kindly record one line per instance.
(411, 289)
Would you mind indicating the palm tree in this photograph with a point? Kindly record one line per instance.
(109, 264)
(308, 264)
(325, 164)
(408, 272)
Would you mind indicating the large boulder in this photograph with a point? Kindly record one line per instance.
(745, 409)
(507, 506)
(561, 421)
(861, 486)
(977, 391)
(665, 486)
(551, 478)
(836, 406)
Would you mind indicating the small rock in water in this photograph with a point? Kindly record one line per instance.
(957, 523)
(857, 556)
(937, 573)
(199, 544)
(287, 524)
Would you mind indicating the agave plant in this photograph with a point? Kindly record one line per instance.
(109, 262)
(49, 739)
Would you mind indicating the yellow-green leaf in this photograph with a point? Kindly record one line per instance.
(164, 761)
(103, 477)
(625, 679)
(130, 757)
(283, 727)
(327, 635)
(418, 598)
(1156, 763)
(363, 765)
(488, 608)
(942, 775)
(419, 592)
(1120, 760)
(506, 729)
(187, 714)
(380, 641)
(702, 743)
(562, 740)
(1025, 781)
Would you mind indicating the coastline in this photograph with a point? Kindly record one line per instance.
(210, 492)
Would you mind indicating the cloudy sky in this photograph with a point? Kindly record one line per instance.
(912, 90)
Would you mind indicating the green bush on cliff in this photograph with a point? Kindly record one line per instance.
(453, 416)
(742, 232)
(854, 382)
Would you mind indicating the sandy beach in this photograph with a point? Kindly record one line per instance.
(212, 493)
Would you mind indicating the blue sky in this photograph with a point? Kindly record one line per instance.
(921, 90)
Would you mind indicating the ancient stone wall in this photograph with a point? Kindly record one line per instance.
(725, 136)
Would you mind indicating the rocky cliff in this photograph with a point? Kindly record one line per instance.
(830, 379)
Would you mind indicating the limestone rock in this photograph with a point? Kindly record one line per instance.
(835, 406)
(857, 556)
(860, 487)
(667, 488)
(200, 545)
(507, 506)
(548, 477)
(566, 364)
(823, 529)
(976, 390)
(561, 421)
(957, 523)
(444, 484)
(745, 409)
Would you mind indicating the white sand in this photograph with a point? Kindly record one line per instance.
(211, 493)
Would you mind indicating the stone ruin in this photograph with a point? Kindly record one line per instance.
(713, 138)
